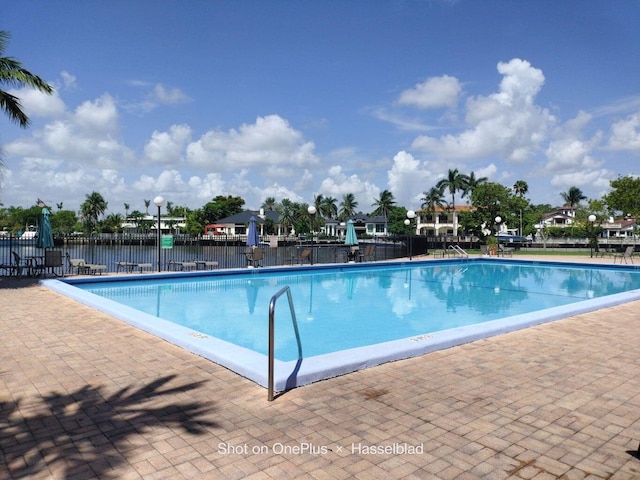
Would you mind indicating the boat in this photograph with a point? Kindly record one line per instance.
(30, 233)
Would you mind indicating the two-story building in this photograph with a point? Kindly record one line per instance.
(438, 222)
(563, 217)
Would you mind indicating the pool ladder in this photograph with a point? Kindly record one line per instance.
(272, 315)
(459, 250)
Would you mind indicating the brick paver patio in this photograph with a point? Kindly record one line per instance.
(86, 396)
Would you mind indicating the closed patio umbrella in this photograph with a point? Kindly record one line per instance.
(351, 238)
(253, 239)
(45, 235)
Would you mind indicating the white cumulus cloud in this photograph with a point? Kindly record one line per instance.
(435, 92)
(625, 134)
(168, 147)
(268, 141)
(507, 123)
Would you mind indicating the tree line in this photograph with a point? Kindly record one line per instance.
(487, 200)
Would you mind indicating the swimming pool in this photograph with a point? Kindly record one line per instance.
(351, 316)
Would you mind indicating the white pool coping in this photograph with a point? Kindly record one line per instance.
(254, 365)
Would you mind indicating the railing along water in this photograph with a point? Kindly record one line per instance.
(272, 314)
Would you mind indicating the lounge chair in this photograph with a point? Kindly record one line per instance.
(205, 264)
(505, 251)
(627, 254)
(300, 259)
(182, 265)
(82, 267)
(254, 257)
(131, 266)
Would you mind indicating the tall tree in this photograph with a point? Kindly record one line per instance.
(455, 182)
(520, 188)
(348, 206)
(573, 196)
(287, 217)
(329, 207)
(473, 182)
(433, 199)
(624, 196)
(92, 208)
(12, 74)
(384, 204)
(269, 204)
(317, 203)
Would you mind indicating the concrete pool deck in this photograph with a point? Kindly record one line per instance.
(86, 396)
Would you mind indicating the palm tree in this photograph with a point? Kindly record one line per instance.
(384, 204)
(317, 202)
(14, 75)
(126, 211)
(93, 206)
(287, 214)
(146, 205)
(573, 196)
(432, 200)
(473, 182)
(348, 206)
(329, 207)
(520, 188)
(455, 182)
(269, 204)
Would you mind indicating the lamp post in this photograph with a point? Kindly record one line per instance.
(498, 220)
(592, 218)
(312, 215)
(410, 216)
(159, 202)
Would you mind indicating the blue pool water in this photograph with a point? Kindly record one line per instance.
(362, 307)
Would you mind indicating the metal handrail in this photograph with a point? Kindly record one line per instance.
(272, 309)
(457, 248)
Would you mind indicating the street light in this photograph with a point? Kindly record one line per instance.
(159, 202)
(312, 214)
(410, 216)
(592, 218)
(498, 220)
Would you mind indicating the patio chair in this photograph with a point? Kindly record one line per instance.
(300, 259)
(368, 254)
(505, 251)
(13, 267)
(53, 260)
(254, 257)
(627, 254)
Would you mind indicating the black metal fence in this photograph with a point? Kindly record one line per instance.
(114, 251)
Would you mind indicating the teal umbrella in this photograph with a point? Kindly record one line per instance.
(351, 234)
(44, 237)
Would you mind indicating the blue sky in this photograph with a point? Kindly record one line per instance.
(290, 99)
